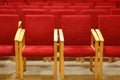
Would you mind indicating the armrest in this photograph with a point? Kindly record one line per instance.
(95, 36)
(55, 35)
(17, 34)
(22, 34)
(20, 24)
(61, 35)
(99, 35)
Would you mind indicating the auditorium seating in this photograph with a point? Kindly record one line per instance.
(6, 7)
(59, 12)
(38, 39)
(79, 8)
(115, 11)
(9, 34)
(109, 37)
(76, 40)
(8, 11)
(94, 15)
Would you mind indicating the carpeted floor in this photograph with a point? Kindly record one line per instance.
(39, 70)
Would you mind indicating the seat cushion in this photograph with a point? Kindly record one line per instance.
(7, 50)
(112, 51)
(38, 51)
(78, 51)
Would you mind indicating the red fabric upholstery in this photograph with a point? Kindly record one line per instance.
(39, 29)
(95, 1)
(105, 4)
(111, 51)
(31, 12)
(76, 29)
(94, 15)
(105, 7)
(85, 4)
(7, 50)
(53, 7)
(78, 51)
(38, 51)
(59, 12)
(75, 1)
(35, 1)
(8, 11)
(79, 8)
(115, 11)
(109, 26)
(15, 1)
(9, 26)
(6, 6)
(28, 6)
(61, 4)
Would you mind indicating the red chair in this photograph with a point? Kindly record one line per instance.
(61, 4)
(38, 39)
(109, 35)
(75, 1)
(7, 7)
(94, 15)
(53, 7)
(8, 11)
(94, 1)
(115, 11)
(108, 8)
(79, 8)
(9, 34)
(85, 4)
(57, 1)
(31, 12)
(77, 39)
(105, 4)
(59, 12)
(15, 1)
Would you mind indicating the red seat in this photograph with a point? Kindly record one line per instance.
(61, 4)
(109, 35)
(15, 1)
(59, 12)
(75, 41)
(85, 4)
(40, 40)
(6, 7)
(30, 12)
(79, 8)
(105, 7)
(105, 4)
(115, 11)
(94, 1)
(8, 11)
(75, 1)
(8, 37)
(94, 15)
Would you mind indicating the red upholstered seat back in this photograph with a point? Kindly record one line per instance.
(8, 28)
(94, 15)
(95, 1)
(59, 12)
(76, 29)
(39, 29)
(8, 11)
(15, 1)
(115, 11)
(110, 28)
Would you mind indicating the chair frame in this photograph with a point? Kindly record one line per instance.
(94, 38)
(23, 59)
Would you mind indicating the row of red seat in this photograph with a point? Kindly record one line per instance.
(17, 1)
(36, 39)
(69, 4)
(58, 11)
